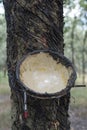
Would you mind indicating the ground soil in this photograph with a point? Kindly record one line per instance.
(78, 118)
(78, 115)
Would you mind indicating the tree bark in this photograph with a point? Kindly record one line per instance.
(83, 59)
(72, 40)
(35, 24)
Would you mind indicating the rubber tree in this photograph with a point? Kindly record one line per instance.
(83, 58)
(35, 24)
(72, 39)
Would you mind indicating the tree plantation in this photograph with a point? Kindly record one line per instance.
(75, 34)
(43, 44)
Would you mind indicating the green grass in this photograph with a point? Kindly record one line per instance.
(79, 97)
(4, 87)
(3, 80)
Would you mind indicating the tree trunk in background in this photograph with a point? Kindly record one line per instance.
(83, 58)
(72, 40)
(35, 24)
(83, 64)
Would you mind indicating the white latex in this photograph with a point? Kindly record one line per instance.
(41, 73)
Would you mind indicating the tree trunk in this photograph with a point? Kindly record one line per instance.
(83, 58)
(72, 41)
(35, 24)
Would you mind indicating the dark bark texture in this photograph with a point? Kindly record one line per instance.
(33, 25)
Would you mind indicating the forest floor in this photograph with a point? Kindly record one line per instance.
(78, 118)
(78, 114)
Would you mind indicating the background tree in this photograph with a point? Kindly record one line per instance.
(76, 9)
(2, 44)
(83, 58)
(83, 14)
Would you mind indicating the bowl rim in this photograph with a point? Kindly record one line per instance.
(63, 60)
